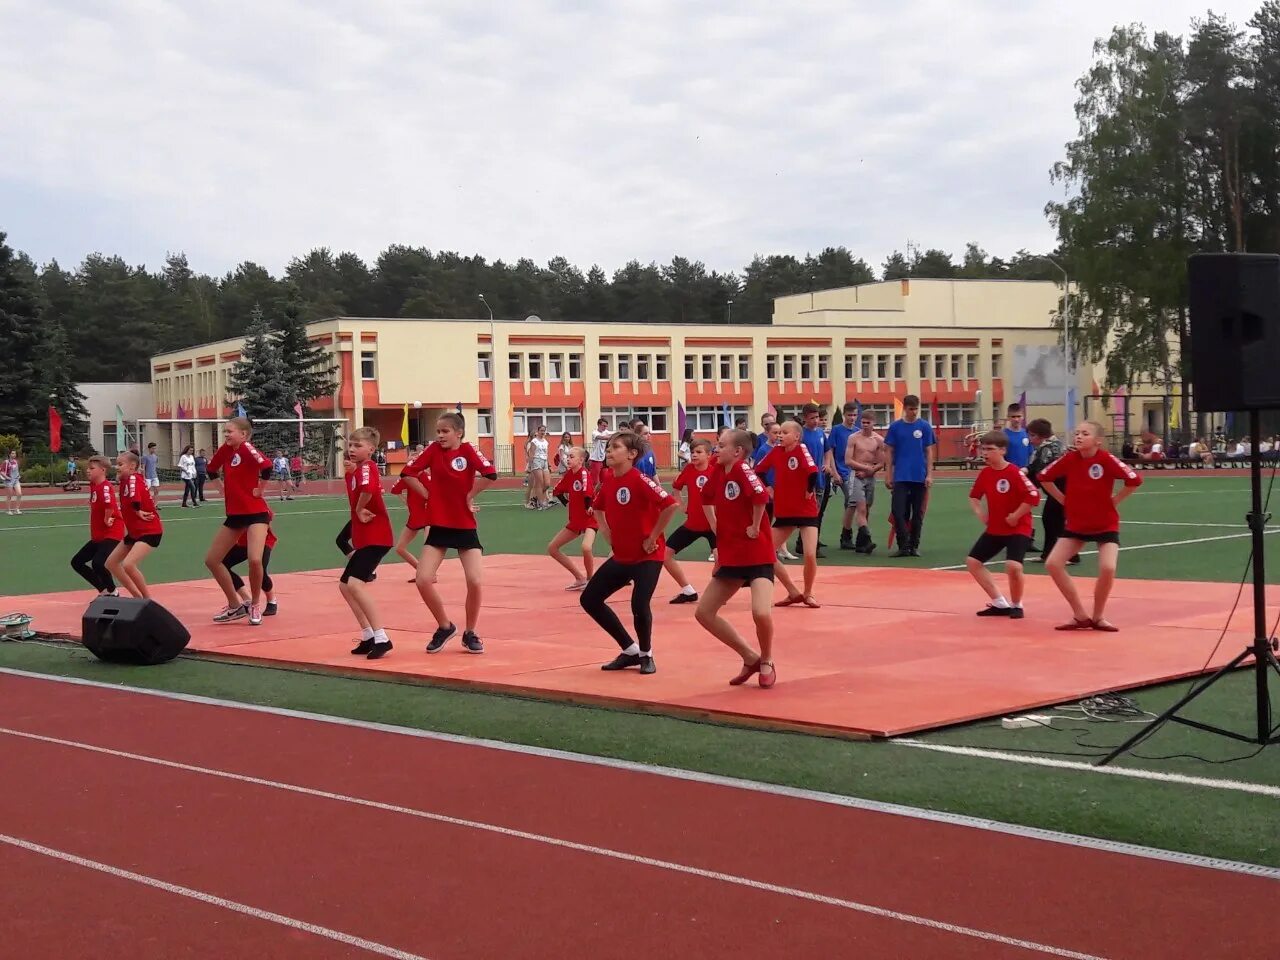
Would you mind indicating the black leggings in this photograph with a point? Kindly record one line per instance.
(343, 540)
(238, 555)
(189, 490)
(200, 479)
(90, 562)
(610, 577)
(908, 513)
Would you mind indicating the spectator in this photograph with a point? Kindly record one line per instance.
(202, 473)
(187, 470)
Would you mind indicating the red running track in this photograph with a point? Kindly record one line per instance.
(406, 846)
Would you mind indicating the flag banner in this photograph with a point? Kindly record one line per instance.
(458, 407)
(772, 411)
(726, 417)
(1022, 401)
(897, 408)
(682, 419)
(302, 440)
(1071, 410)
(240, 411)
(935, 414)
(122, 440)
(182, 414)
(55, 430)
(858, 415)
(404, 426)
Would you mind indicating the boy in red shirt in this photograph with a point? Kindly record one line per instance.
(1007, 518)
(1091, 517)
(455, 471)
(734, 500)
(575, 491)
(632, 511)
(371, 539)
(244, 470)
(238, 555)
(795, 506)
(692, 480)
(106, 530)
(142, 526)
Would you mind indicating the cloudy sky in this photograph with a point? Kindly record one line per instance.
(598, 130)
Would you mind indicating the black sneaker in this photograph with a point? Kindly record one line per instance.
(819, 553)
(471, 643)
(1015, 613)
(847, 544)
(622, 661)
(900, 553)
(684, 598)
(441, 637)
(991, 610)
(271, 609)
(362, 648)
(821, 545)
(379, 649)
(868, 550)
(647, 665)
(915, 551)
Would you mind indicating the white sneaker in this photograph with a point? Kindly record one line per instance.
(785, 554)
(712, 558)
(227, 614)
(255, 615)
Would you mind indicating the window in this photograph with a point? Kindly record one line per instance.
(515, 367)
(535, 366)
(690, 367)
(624, 366)
(575, 366)
(939, 366)
(806, 368)
(824, 368)
(771, 367)
(864, 366)
(368, 365)
(642, 367)
(956, 415)
(744, 367)
(882, 366)
(555, 367)
(708, 368)
(606, 367)
(899, 366)
(995, 366)
(955, 366)
(660, 363)
(484, 366)
(971, 366)
(924, 366)
(788, 368)
(726, 367)
(556, 420)
(711, 419)
(655, 417)
(484, 422)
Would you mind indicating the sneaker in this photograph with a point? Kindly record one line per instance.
(900, 554)
(1036, 559)
(440, 638)
(820, 553)
(622, 661)
(684, 598)
(271, 609)
(1015, 613)
(991, 610)
(377, 649)
(362, 648)
(113, 592)
(471, 643)
(712, 558)
(255, 615)
(647, 665)
(227, 614)
(848, 545)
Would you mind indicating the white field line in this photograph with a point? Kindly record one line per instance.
(1136, 546)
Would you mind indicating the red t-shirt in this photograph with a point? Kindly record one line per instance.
(694, 481)
(733, 493)
(1006, 490)
(631, 504)
(417, 503)
(102, 504)
(133, 489)
(450, 476)
(377, 532)
(1090, 484)
(576, 486)
(241, 469)
(791, 472)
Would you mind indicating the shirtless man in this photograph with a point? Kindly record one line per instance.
(865, 457)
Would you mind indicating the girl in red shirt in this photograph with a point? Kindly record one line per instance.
(633, 512)
(243, 470)
(575, 491)
(455, 471)
(795, 506)
(1090, 504)
(142, 526)
(106, 530)
(734, 500)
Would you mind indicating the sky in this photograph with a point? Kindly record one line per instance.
(600, 131)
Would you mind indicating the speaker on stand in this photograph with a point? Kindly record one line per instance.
(138, 632)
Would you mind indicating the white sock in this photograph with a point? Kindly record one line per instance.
(688, 590)
(366, 633)
(380, 636)
(1018, 605)
(1000, 603)
(633, 650)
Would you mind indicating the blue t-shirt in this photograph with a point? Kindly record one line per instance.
(149, 462)
(909, 442)
(648, 465)
(839, 443)
(762, 447)
(1019, 453)
(815, 439)
(762, 451)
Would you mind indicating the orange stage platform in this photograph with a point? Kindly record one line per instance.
(892, 651)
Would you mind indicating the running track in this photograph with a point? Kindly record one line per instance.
(231, 832)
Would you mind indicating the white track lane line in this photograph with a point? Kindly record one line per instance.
(1136, 546)
(370, 946)
(685, 869)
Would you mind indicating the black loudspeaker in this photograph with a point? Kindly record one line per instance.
(1235, 330)
(125, 630)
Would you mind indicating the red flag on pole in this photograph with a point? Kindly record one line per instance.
(55, 430)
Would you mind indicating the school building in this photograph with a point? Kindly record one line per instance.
(966, 347)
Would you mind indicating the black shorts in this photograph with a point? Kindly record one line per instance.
(238, 521)
(744, 575)
(362, 563)
(1110, 536)
(150, 539)
(795, 522)
(682, 537)
(453, 538)
(989, 545)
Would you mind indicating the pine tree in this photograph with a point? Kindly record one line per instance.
(308, 367)
(60, 388)
(22, 408)
(257, 379)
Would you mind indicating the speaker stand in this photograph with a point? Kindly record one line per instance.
(1263, 649)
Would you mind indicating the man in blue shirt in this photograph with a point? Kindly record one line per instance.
(910, 449)
(814, 436)
(767, 420)
(1019, 442)
(838, 469)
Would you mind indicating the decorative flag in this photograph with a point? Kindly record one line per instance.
(897, 408)
(1071, 410)
(1173, 413)
(404, 426)
(302, 441)
(55, 430)
(771, 410)
(240, 410)
(182, 414)
(1022, 401)
(122, 440)
(727, 418)
(682, 419)
(458, 407)
(935, 414)
(858, 414)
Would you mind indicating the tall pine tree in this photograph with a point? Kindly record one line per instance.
(308, 367)
(22, 408)
(257, 379)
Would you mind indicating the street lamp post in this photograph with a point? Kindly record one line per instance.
(728, 319)
(493, 341)
(1068, 400)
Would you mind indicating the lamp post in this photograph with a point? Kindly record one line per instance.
(1068, 402)
(728, 318)
(493, 341)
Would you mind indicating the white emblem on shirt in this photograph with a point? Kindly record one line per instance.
(701, 482)
(458, 463)
(792, 463)
(918, 434)
(732, 490)
(1095, 471)
(1002, 486)
(235, 460)
(624, 496)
